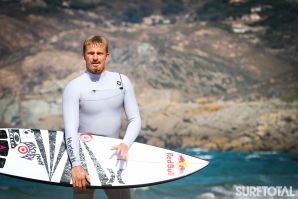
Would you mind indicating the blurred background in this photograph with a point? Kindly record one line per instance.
(213, 78)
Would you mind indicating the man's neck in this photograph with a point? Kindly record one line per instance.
(99, 72)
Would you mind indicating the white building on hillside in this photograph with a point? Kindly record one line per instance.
(240, 28)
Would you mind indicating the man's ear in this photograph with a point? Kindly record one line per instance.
(83, 55)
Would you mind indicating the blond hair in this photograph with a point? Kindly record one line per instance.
(97, 40)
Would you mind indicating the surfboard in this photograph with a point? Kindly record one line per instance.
(41, 155)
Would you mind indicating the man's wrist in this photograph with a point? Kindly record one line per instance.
(75, 164)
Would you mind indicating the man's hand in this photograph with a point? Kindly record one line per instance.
(122, 150)
(79, 175)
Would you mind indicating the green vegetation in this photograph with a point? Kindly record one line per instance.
(167, 85)
(176, 66)
(281, 19)
(153, 83)
(88, 6)
(136, 15)
(172, 7)
(54, 2)
(290, 97)
(219, 87)
(218, 10)
(77, 4)
(189, 73)
(174, 73)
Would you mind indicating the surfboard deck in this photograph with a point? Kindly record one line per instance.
(40, 155)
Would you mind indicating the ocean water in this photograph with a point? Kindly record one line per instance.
(225, 171)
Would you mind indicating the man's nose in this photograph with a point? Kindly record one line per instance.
(95, 57)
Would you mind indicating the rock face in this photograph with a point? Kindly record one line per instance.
(197, 86)
(245, 126)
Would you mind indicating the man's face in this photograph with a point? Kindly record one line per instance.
(95, 57)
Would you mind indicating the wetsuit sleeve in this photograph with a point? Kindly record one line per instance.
(70, 108)
(132, 113)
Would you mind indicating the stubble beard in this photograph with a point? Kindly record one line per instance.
(96, 70)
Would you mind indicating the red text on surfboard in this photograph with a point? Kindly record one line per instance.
(170, 164)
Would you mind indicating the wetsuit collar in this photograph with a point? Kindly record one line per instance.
(95, 78)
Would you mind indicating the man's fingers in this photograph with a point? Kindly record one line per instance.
(78, 178)
(122, 150)
(88, 178)
(83, 183)
(127, 156)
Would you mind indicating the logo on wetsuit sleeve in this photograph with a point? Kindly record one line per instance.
(71, 154)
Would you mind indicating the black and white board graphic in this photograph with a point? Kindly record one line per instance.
(40, 155)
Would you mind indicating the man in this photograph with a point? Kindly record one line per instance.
(92, 103)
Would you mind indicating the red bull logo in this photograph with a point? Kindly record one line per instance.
(170, 164)
(181, 164)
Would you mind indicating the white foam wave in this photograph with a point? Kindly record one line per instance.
(254, 155)
(205, 157)
(223, 191)
(141, 188)
(265, 179)
(4, 187)
(197, 150)
(283, 159)
(266, 152)
(295, 192)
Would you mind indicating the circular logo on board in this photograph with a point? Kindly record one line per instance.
(86, 137)
(23, 149)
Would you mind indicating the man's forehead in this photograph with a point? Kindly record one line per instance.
(96, 46)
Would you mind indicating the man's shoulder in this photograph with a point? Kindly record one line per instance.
(117, 75)
(78, 79)
(76, 82)
(111, 73)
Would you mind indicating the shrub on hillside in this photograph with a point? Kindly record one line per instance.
(172, 7)
(136, 15)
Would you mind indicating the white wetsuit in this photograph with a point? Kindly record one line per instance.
(93, 104)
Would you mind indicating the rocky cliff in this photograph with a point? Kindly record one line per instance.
(222, 126)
